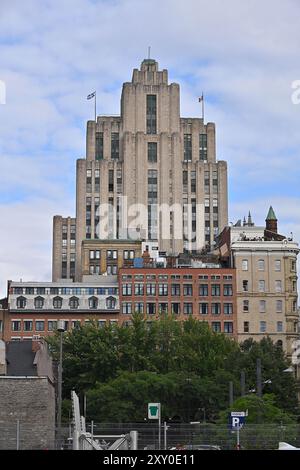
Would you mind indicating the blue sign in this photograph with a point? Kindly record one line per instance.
(237, 419)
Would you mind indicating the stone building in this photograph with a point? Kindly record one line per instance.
(266, 272)
(36, 307)
(27, 396)
(149, 174)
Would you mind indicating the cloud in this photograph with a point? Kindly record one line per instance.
(243, 55)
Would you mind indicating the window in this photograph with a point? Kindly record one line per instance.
(203, 290)
(126, 289)
(278, 286)
(152, 152)
(39, 325)
(294, 305)
(175, 289)
(188, 308)
(203, 147)
(279, 327)
(193, 181)
(227, 290)
(126, 308)
(151, 114)
(228, 309)
(216, 326)
(261, 265)
(228, 327)
(262, 306)
(246, 327)
(293, 265)
(203, 308)
(151, 289)
(16, 325)
(27, 325)
(187, 155)
(261, 286)
(101, 323)
(294, 286)
(163, 307)
(185, 181)
(40, 290)
(277, 265)
(175, 308)
(215, 290)
(245, 286)
(29, 291)
(187, 289)
(245, 265)
(139, 289)
(93, 302)
(57, 302)
(38, 302)
(246, 305)
(111, 303)
(110, 181)
(21, 302)
(151, 307)
(162, 289)
(262, 326)
(74, 302)
(111, 269)
(139, 307)
(279, 306)
(52, 325)
(111, 254)
(99, 146)
(215, 308)
(128, 254)
(115, 146)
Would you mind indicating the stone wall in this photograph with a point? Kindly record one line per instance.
(31, 400)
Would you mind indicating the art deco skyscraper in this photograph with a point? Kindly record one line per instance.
(148, 174)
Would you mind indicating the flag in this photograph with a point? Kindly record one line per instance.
(201, 98)
(91, 95)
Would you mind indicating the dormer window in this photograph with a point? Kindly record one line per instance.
(39, 302)
(21, 302)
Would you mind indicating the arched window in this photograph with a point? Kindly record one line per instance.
(57, 302)
(93, 302)
(39, 302)
(21, 302)
(74, 302)
(111, 303)
(279, 344)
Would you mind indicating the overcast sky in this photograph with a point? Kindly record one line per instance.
(244, 55)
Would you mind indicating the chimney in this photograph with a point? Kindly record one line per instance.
(271, 221)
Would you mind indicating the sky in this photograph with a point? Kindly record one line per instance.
(244, 56)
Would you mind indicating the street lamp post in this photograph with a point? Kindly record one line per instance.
(60, 329)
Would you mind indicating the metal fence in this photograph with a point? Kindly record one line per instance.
(255, 436)
(20, 435)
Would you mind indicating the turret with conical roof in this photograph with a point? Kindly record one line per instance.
(271, 221)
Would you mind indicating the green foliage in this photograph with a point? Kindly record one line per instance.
(184, 365)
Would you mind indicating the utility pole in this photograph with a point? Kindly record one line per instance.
(61, 329)
(230, 393)
(258, 378)
(243, 383)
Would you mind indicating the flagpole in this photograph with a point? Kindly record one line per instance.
(95, 106)
(202, 106)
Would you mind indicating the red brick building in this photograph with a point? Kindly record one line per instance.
(208, 294)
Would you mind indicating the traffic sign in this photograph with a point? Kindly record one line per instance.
(237, 419)
(153, 410)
